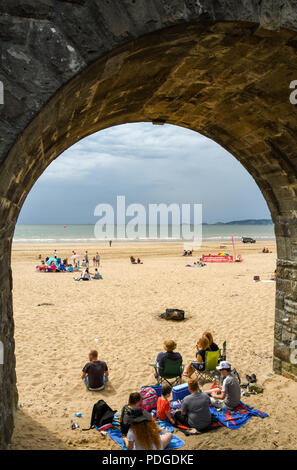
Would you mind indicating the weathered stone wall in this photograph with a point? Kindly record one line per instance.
(73, 67)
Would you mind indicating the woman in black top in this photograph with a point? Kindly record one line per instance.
(199, 363)
(135, 400)
(212, 346)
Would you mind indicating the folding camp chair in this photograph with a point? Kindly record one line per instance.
(171, 370)
(211, 361)
(223, 354)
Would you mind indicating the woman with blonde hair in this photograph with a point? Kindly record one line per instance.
(199, 363)
(143, 432)
(169, 346)
(212, 346)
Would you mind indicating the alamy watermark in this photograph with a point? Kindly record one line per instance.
(1, 93)
(180, 222)
(1, 353)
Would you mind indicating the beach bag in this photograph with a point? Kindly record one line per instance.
(102, 414)
(149, 398)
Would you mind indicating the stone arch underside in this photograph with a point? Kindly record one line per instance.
(72, 68)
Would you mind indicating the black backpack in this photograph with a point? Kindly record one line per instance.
(102, 414)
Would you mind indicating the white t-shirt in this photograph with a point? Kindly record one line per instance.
(137, 446)
(85, 275)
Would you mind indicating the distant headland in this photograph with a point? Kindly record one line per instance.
(245, 222)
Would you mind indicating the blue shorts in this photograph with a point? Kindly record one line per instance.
(198, 365)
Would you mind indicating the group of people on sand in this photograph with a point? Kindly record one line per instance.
(188, 252)
(199, 264)
(139, 429)
(266, 250)
(86, 275)
(134, 261)
(225, 396)
(57, 264)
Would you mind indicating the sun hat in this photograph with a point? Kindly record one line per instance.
(224, 365)
(137, 415)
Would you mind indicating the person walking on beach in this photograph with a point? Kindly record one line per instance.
(97, 260)
(110, 243)
(95, 373)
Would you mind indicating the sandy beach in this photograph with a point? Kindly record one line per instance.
(53, 341)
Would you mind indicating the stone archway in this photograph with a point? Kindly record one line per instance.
(74, 67)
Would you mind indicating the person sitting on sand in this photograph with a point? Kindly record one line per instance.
(139, 261)
(53, 267)
(95, 373)
(62, 267)
(42, 267)
(143, 433)
(199, 363)
(133, 260)
(212, 346)
(227, 396)
(97, 275)
(194, 411)
(135, 400)
(86, 275)
(169, 346)
(163, 404)
(70, 268)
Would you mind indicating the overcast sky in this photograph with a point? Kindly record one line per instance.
(146, 164)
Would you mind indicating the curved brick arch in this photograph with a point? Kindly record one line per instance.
(74, 67)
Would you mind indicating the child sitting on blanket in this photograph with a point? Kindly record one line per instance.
(163, 404)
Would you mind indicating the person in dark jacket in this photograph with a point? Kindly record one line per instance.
(169, 353)
(135, 400)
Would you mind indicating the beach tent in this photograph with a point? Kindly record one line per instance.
(52, 259)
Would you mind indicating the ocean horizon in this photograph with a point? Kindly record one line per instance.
(84, 233)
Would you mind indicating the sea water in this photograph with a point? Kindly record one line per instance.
(85, 233)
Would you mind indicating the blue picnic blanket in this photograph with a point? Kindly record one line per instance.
(238, 417)
(116, 435)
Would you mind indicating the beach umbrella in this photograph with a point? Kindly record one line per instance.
(52, 259)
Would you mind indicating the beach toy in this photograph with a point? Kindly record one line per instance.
(74, 425)
(78, 415)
